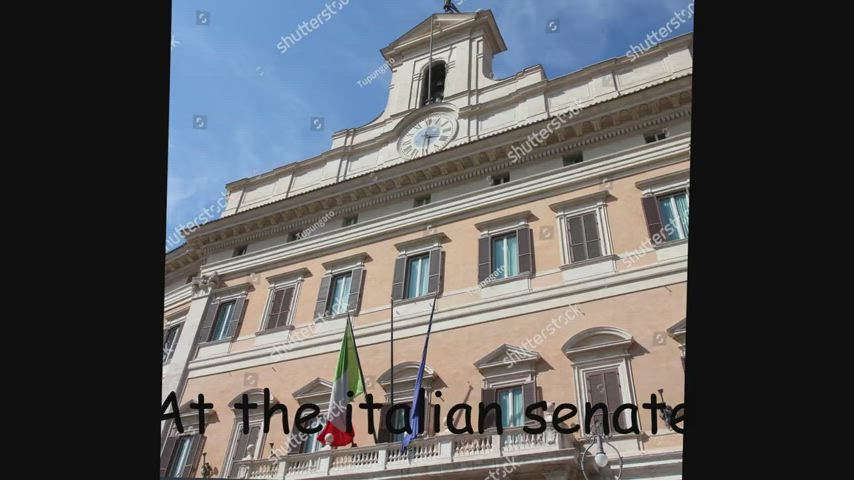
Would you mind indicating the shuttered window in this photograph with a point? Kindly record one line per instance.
(585, 241)
(340, 293)
(505, 255)
(417, 275)
(181, 455)
(280, 308)
(604, 387)
(667, 216)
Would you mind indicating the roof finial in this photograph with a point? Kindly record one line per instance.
(450, 7)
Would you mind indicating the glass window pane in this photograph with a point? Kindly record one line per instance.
(223, 317)
(517, 406)
(312, 442)
(340, 294)
(416, 276)
(512, 256)
(499, 269)
(682, 209)
(183, 451)
(670, 217)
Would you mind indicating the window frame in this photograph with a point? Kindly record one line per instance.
(596, 204)
(521, 389)
(507, 257)
(240, 251)
(662, 186)
(422, 257)
(422, 201)
(680, 227)
(349, 221)
(170, 325)
(281, 282)
(217, 318)
(329, 298)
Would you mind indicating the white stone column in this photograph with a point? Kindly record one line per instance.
(175, 376)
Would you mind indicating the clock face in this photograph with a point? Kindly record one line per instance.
(428, 135)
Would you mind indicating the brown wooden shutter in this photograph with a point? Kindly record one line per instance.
(236, 315)
(596, 393)
(356, 283)
(383, 434)
(322, 297)
(577, 250)
(434, 284)
(525, 242)
(487, 396)
(166, 454)
(399, 278)
(484, 258)
(653, 218)
(529, 397)
(207, 323)
(613, 395)
(194, 456)
(275, 308)
(591, 235)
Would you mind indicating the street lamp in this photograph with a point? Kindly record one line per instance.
(207, 470)
(600, 458)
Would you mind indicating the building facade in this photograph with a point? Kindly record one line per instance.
(547, 219)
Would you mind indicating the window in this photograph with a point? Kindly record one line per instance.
(512, 406)
(341, 288)
(294, 236)
(182, 455)
(505, 249)
(340, 294)
(584, 238)
(245, 446)
(655, 136)
(170, 340)
(189, 279)
(399, 422)
(604, 387)
(573, 158)
(433, 84)
(312, 441)
(417, 275)
(674, 212)
(499, 178)
(602, 370)
(223, 318)
(278, 313)
(421, 201)
(350, 220)
(241, 250)
(505, 256)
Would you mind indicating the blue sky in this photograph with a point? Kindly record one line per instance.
(259, 102)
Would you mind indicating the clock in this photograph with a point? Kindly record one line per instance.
(428, 135)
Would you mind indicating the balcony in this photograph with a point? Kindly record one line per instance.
(439, 455)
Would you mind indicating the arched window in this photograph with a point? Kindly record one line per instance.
(433, 83)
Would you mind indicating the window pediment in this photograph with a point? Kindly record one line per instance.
(598, 343)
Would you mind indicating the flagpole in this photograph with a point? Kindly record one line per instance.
(361, 372)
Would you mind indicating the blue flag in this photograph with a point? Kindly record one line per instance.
(418, 399)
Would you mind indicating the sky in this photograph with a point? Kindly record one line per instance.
(240, 106)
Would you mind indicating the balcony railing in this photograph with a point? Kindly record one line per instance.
(384, 459)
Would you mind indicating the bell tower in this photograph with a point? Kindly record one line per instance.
(447, 55)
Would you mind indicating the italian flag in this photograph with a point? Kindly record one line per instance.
(348, 377)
